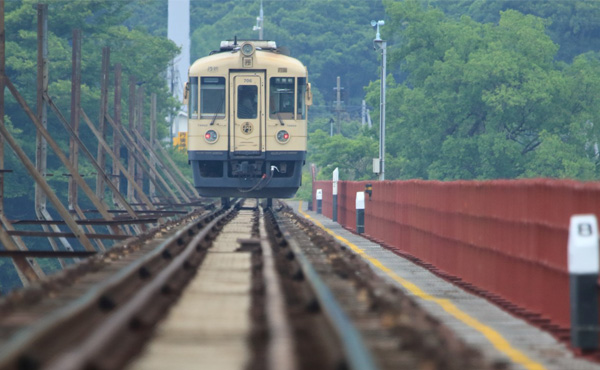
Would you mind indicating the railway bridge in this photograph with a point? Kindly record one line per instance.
(459, 275)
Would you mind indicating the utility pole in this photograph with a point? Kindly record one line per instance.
(260, 22)
(382, 45)
(338, 105)
(363, 113)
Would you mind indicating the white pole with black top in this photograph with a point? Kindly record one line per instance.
(360, 212)
(319, 200)
(583, 262)
(336, 177)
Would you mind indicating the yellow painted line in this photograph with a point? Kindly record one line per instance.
(493, 336)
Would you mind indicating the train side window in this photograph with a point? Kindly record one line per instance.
(212, 96)
(281, 99)
(300, 94)
(193, 98)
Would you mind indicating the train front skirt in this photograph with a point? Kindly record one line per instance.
(247, 174)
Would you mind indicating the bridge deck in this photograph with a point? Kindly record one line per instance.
(502, 337)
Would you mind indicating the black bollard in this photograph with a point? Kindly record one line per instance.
(319, 200)
(583, 275)
(360, 212)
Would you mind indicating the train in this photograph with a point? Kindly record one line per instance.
(247, 121)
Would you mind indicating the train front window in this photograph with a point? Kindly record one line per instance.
(247, 101)
(281, 99)
(301, 107)
(193, 98)
(212, 96)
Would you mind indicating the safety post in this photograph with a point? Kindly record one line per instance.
(583, 276)
(319, 201)
(360, 212)
(336, 177)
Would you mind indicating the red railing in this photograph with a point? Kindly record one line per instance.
(505, 237)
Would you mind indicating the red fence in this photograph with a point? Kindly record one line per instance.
(507, 237)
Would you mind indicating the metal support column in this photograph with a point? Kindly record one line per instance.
(138, 131)
(41, 154)
(151, 187)
(25, 270)
(116, 139)
(193, 192)
(64, 213)
(138, 155)
(101, 126)
(130, 157)
(75, 104)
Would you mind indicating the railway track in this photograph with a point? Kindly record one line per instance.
(240, 287)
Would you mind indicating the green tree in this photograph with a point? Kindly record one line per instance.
(476, 97)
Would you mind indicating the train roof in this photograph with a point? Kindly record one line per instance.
(266, 55)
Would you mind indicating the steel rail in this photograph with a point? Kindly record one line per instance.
(27, 341)
(78, 357)
(280, 351)
(357, 354)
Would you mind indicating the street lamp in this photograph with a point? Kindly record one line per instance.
(378, 42)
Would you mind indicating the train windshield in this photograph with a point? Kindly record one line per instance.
(193, 98)
(301, 107)
(212, 95)
(247, 101)
(281, 98)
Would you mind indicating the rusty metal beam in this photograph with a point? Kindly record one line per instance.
(45, 254)
(152, 154)
(118, 164)
(130, 156)
(41, 180)
(90, 229)
(18, 242)
(100, 222)
(116, 139)
(25, 270)
(64, 235)
(75, 104)
(42, 108)
(139, 128)
(88, 154)
(2, 72)
(172, 165)
(101, 126)
(136, 152)
(41, 154)
(151, 188)
(74, 125)
(62, 211)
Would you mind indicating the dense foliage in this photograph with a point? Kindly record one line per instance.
(487, 100)
(477, 89)
(139, 45)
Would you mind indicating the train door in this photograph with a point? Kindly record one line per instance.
(247, 113)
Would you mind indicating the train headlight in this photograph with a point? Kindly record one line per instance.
(247, 49)
(211, 136)
(283, 136)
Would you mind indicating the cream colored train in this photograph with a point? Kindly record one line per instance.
(247, 132)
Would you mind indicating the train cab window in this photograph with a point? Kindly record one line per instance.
(193, 98)
(301, 95)
(281, 99)
(212, 96)
(247, 101)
